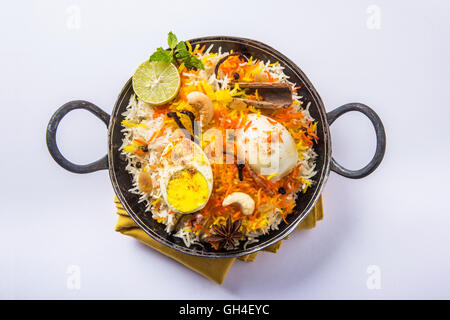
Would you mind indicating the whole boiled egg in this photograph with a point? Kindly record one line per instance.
(186, 176)
(267, 146)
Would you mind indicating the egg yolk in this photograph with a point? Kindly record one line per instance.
(187, 190)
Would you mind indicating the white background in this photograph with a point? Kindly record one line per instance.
(397, 218)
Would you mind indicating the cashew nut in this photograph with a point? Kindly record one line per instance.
(203, 104)
(243, 200)
(145, 182)
(238, 104)
(261, 77)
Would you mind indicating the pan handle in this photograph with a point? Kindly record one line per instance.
(381, 140)
(100, 164)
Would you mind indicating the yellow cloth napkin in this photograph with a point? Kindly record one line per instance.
(211, 268)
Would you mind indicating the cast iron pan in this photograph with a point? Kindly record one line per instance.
(122, 181)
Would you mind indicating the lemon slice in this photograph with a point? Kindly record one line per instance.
(156, 82)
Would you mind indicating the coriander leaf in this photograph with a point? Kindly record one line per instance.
(172, 40)
(183, 55)
(192, 62)
(189, 60)
(181, 46)
(161, 55)
(197, 63)
(178, 53)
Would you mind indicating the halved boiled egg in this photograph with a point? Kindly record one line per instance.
(267, 146)
(186, 176)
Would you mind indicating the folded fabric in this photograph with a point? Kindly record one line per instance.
(211, 268)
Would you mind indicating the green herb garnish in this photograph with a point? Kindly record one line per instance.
(178, 53)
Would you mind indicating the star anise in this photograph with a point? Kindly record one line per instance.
(225, 236)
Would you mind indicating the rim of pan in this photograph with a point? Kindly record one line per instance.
(325, 170)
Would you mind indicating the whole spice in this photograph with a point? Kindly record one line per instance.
(191, 117)
(272, 95)
(175, 117)
(225, 236)
(258, 180)
(240, 166)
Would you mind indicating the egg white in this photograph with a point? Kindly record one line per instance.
(269, 158)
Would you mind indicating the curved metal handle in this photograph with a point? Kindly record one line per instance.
(100, 164)
(379, 131)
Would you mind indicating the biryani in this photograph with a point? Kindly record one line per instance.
(222, 158)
